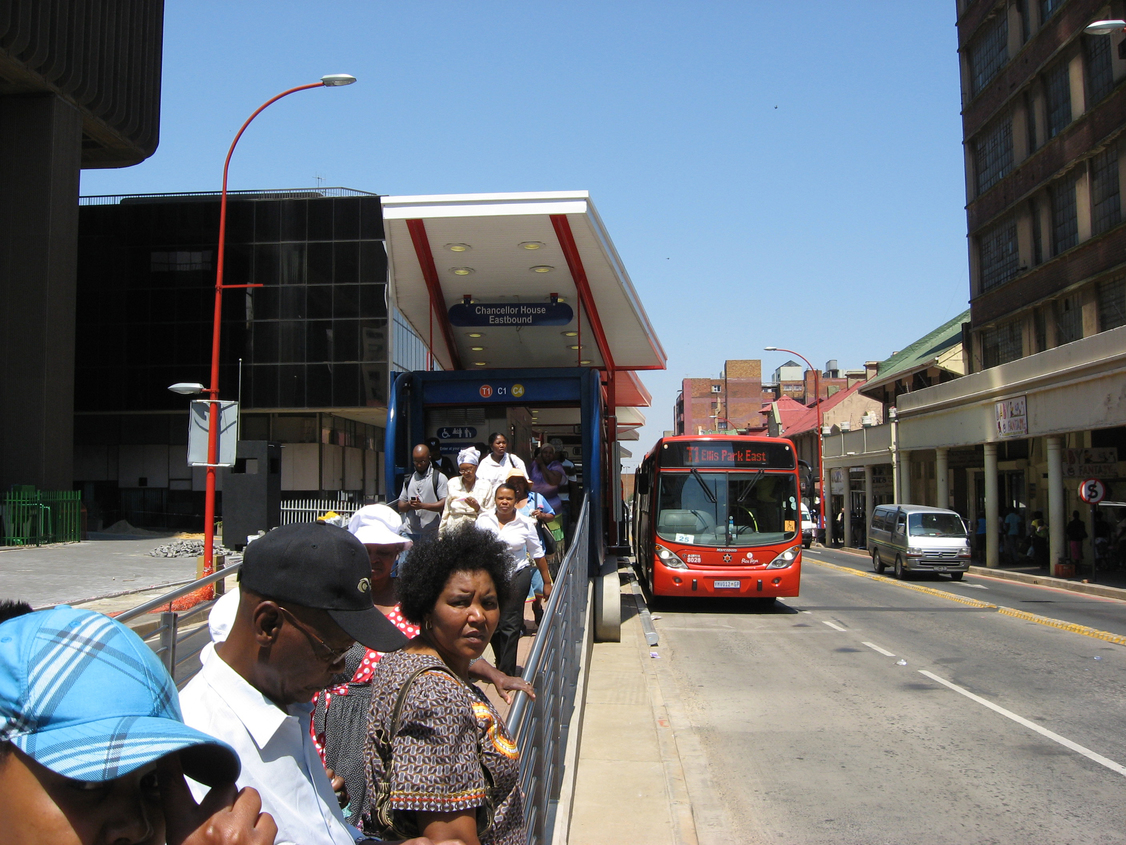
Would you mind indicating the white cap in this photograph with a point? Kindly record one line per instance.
(378, 525)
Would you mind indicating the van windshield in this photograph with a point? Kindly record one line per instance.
(935, 525)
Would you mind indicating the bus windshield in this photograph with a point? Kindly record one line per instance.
(708, 508)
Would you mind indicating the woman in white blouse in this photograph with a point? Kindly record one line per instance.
(468, 496)
(518, 533)
(495, 466)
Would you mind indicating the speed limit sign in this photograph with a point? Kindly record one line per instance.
(1092, 491)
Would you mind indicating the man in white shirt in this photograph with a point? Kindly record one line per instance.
(304, 599)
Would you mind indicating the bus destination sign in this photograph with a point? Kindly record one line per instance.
(719, 453)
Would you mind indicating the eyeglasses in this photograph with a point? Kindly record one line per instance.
(333, 655)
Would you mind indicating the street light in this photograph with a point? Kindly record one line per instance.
(820, 450)
(333, 80)
(1105, 27)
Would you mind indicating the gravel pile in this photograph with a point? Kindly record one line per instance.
(187, 548)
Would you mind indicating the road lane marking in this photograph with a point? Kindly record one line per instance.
(971, 586)
(833, 625)
(1020, 720)
(882, 651)
(1072, 627)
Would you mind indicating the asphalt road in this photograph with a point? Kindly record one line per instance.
(868, 711)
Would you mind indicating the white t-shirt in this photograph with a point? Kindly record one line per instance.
(495, 473)
(519, 535)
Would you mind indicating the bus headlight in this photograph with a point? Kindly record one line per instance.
(785, 559)
(669, 559)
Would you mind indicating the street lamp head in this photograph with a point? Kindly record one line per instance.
(187, 388)
(1104, 27)
(334, 80)
(770, 349)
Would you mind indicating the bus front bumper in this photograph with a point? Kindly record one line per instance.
(734, 582)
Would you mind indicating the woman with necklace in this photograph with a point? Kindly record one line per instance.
(440, 760)
(468, 495)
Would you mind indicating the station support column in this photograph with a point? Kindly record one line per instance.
(846, 541)
(1057, 518)
(869, 499)
(905, 477)
(992, 516)
(942, 476)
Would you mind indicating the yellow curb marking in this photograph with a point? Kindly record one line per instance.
(1074, 628)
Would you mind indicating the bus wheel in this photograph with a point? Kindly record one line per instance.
(877, 564)
(900, 572)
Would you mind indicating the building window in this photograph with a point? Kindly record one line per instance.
(1105, 206)
(1040, 329)
(715, 388)
(1048, 8)
(999, 255)
(1069, 320)
(1097, 63)
(989, 52)
(993, 154)
(180, 262)
(1037, 234)
(1000, 345)
(1057, 91)
(1112, 304)
(1065, 224)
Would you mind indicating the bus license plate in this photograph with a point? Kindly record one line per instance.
(726, 585)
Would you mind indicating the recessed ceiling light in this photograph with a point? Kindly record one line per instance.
(541, 268)
(476, 334)
(462, 271)
(584, 362)
(532, 244)
(458, 247)
(576, 348)
(476, 349)
(480, 363)
(570, 334)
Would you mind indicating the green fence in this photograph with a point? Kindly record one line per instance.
(35, 517)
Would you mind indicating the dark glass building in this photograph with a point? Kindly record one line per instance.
(307, 353)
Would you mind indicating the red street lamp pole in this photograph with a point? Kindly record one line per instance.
(820, 459)
(330, 81)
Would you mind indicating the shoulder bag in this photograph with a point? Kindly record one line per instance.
(400, 823)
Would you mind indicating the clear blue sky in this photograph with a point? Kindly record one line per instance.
(772, 173)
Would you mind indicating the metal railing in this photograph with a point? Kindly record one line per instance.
(307, 510)
(542, 726)
(167, 631)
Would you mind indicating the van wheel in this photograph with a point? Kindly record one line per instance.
(956, 576)
(900, 572)
(877, 564)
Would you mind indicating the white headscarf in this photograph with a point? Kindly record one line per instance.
(468, 456)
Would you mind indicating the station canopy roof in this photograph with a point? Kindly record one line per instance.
(519, 280)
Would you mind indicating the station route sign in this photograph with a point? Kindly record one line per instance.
(489, 391)
(484, 314)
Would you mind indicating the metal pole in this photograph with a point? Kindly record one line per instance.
(213, 391)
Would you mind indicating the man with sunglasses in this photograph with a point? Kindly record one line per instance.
(304, 599)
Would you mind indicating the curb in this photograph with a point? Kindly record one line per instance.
(1048, 581)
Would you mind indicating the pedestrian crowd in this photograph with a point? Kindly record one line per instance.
(337, 701)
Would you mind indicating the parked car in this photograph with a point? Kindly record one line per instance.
(916, 538)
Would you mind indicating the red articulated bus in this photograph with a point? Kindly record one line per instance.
(719, 516)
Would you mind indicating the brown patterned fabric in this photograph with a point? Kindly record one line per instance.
(436, 762)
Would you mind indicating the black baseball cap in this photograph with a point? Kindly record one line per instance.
(323, 567)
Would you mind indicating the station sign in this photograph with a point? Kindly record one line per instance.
(500, 391)
(495, 314)
(457, 432)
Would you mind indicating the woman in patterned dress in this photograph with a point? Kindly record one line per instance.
(340, 712)
(453, 770)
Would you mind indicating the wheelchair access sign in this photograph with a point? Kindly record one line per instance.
(1092, 491)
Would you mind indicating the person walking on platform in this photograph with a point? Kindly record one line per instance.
(495, 466)
(423, 496)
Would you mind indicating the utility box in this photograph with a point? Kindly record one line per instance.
(252, 492)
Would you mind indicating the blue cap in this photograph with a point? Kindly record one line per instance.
(84, 696)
